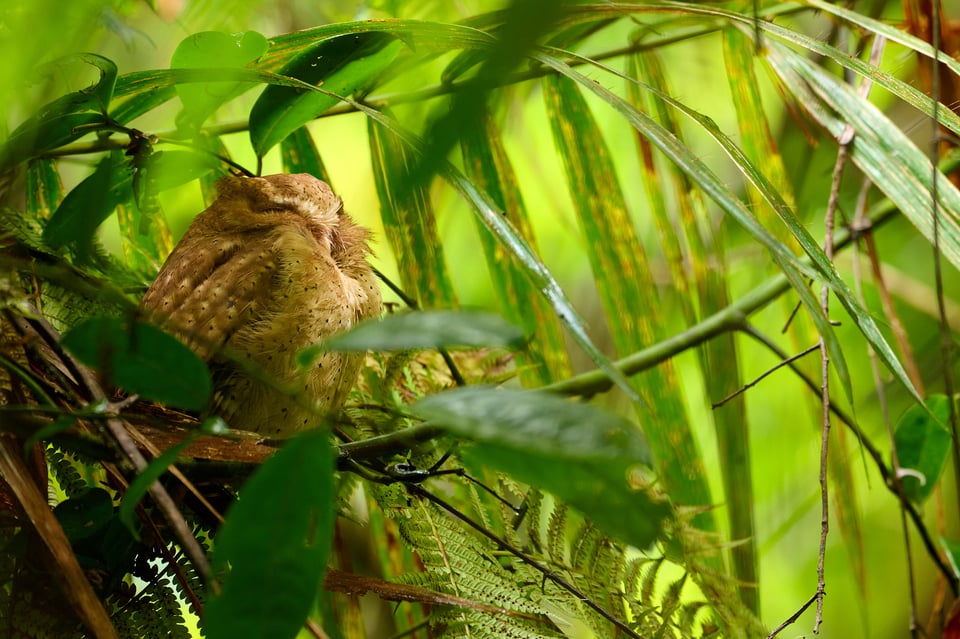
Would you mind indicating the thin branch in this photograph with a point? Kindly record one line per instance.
(117, 428)
(792, 618)
(413, 305)
(881, 393)
(875, 455)
(765, 374)
(825, 380)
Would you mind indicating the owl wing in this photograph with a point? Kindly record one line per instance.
(208, 288)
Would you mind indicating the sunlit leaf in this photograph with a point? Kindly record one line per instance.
(487, 164)
(409, 221)
(213, 49)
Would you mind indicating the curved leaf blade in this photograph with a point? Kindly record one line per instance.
(429, 329)
(341, 64)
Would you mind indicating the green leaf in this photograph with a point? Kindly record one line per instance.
(95, 97)
(213, 49)
(90, 203)
(142, 359)
(123, 111)
(486, 164)
(341, 65)
(428, 329)
(585, 456)
(84, 514)
(275, 540)
(923, 444)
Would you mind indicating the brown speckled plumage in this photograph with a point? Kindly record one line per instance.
(273, 265)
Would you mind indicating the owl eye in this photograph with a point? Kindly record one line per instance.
(276, 209)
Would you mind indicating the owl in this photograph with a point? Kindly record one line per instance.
(272, 266)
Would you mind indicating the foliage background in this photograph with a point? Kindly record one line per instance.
(866, 571)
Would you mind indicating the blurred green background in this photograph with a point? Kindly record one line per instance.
(867, 595)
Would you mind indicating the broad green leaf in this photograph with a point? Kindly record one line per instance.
(95, 97)
(141, 359)
(923, 445)
(275, 541)
(130, 108)
(428, 329)
(535, 421)
(66, 118)
(419, 35)
(209, 49)
(341, 65)
(90, 203)
(587, 457)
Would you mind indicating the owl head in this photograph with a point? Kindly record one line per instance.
(251, 202)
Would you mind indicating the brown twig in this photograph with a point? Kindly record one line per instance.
(118, 430)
